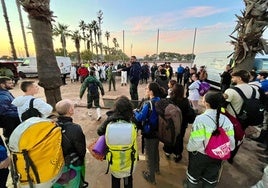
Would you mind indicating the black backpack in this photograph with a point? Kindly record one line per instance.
(93, 88)
(252, 111)
(30, 112)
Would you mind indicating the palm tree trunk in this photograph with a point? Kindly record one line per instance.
(48, 71)
(78, 55)
(96, 45)
(13, 51)
(247, 63)
(22, 29)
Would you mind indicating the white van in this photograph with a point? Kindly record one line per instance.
(29, 66)
(215, 63)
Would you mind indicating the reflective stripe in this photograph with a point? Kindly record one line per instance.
(191, 178)
(210, 182)
(200, 133)
(230, 133)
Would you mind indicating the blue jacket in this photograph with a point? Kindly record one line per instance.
(135, 72)
(264, 85)
(6, 108)
(143, 114)
(180, 70)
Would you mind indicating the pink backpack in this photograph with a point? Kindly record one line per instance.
(219, 145)
(239, 132)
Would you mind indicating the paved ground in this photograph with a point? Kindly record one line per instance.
(245, 171)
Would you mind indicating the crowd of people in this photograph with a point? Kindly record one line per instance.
(182, 92)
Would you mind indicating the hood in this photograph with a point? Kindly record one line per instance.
(21, 100)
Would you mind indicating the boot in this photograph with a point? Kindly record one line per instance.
(98, 114)
(89, 113)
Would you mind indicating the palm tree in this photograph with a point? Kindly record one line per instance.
(22, 29)
(88, 42)
(116, 45)
(13, 51)
(61, 30)
(106, 49)
(107, 35)
(76, 37)
(40, 18)
(82, 26)
(250, 27)
(95, 28)
(90, 29)
(100, 18)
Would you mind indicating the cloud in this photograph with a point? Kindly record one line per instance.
(170, 20)
(202, 11)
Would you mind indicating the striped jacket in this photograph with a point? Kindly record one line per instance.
(203, 127)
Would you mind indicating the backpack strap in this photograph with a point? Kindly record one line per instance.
(132, 158)
(217, 126)
(31, 103)
(150, 110)
(29, 164)
(243, 96)
(109, 162)
(215, 121)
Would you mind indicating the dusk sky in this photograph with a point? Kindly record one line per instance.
(140, 20)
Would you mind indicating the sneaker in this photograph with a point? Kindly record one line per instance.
(177, 158)
(99, 117)
(146, 176)
(167, 155)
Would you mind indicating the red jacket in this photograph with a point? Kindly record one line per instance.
(82, 71)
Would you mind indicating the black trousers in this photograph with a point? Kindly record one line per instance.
(127, 182)
(202, 167)
(3, 177)
(9, 124)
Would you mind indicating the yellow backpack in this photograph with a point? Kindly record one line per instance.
(36, 152)
(122, 152)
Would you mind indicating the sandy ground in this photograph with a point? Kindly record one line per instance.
(245, 171)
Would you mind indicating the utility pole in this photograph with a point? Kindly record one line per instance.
(123, 45)
(157, 43)
(124, 41)
(131, 46)
(193, 47)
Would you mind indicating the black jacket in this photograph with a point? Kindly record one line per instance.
(73, 139)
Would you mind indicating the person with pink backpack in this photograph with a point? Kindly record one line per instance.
(206, 152)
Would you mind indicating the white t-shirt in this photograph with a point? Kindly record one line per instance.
(193, 91)
(22, 103)
(235, 99)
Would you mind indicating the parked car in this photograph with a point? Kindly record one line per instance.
(29, 66)
(215, 63)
